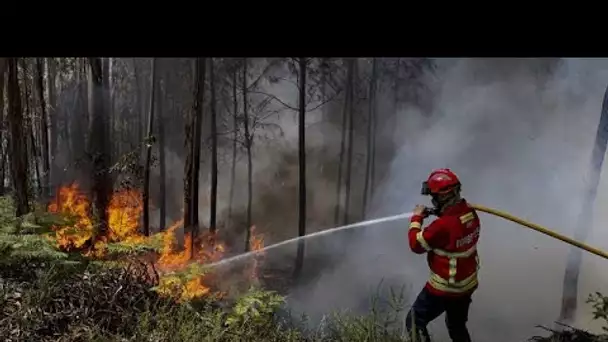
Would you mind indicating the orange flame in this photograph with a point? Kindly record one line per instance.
(124, 212)
(256, 243)
(72, 203)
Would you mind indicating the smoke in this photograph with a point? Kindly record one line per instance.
(519, 133)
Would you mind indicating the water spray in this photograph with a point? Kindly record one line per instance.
(428, 211)
(317, 234)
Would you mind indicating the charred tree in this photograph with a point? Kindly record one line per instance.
(248, 144)
(46, 164)
(213, 204)
(146, 192)
(51, 76)
(198, 128)
(193, 142)
(79, 117)
(345, 117)
(349, 155)
(3, 152)
(235, 136)
(160, 127)
(301, 164)
(367, 190)
(138, 102)
(30, 124)
(18, 147)
(99, 145)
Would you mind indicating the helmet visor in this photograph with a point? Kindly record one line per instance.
(425, 189)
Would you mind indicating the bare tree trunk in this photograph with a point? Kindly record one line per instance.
(323, 86)
(349, 156)
(2, 125)
(193, 159)
(19, 167)
(161, 151)
(213, 206)
(200, 74)
(46, 165)
(30, 123)
(80, 116)
(370, 137)
(345, 112)
(99, 148)
(52, 74)
(3, 170)
(302, 166)
(235, 128)
(248, 143)
(138, 102)
(146, 194)
(51, 67)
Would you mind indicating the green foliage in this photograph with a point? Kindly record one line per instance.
(27, 237)
(599, 304)
(257, 306)
(153, 243)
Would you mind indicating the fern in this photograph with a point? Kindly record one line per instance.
(153, 243)
(257, 307)
(599, 303)
(26, 237)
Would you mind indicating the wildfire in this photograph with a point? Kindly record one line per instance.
(256, 243)
(75, 205)
(124, 213)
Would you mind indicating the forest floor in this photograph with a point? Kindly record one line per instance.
(47, 294)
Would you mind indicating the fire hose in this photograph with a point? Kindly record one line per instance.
(541, 229)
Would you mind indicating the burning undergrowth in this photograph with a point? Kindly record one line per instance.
(181, 268)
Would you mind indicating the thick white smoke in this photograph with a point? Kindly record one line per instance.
(521, 141)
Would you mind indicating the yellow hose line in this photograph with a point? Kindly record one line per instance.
(540, 229)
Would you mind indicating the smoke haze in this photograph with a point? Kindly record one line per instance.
(519, 134)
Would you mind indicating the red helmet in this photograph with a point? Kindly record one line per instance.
(440, 181)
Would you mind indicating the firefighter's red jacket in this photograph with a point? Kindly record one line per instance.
(451, 244)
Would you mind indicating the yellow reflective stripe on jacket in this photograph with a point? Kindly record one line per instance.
(467, 217)
(464, 254)
(415, 225)
(422, 241)
(457, 287)
(452, 271)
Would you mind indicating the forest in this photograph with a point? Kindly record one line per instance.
(123, 177)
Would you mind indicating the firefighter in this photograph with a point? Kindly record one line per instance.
(450, 243)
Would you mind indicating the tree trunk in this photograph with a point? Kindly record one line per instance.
(213, 204)
(302, 165)
(349, 157)
(345, 111)
(138, 102)
(235, 128)
(370, 137)
(248, 143)
(200, 74)
(193, 135)
(98, 145)
(53, 117)
(18, 161)
(161, 151)
(3, 152)
(79, 117)
(46, 165)
(323, 83)
(146, 194)
(30, 123)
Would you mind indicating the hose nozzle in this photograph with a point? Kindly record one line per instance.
(431, 211)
